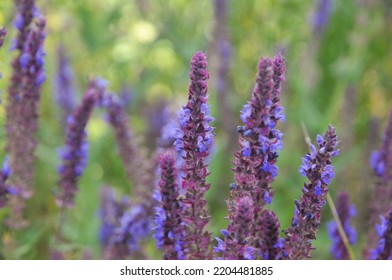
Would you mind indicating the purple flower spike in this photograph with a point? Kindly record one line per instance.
(194, 140)
(74, 153)
(345, 213)
(267, 240)
(316, 166)
(383, 250)
(255, 162)
(169, 233)
(235, 244)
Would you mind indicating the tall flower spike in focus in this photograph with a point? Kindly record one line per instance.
(64, 85)
(236, 237)
(345, 212)
(194, 141)
(383, 250)
(259, 140)
(169, 232)
(74, 153)
(317, 167)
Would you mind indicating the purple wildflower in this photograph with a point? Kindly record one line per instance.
(64, 87)
(316, 166)
(74, 153)
(267, 235)
(255, 163)
(383, 250)
(259, 141)
(168, 220)
(236, 237)
(322, 15)
(194, 140)
(345, 213)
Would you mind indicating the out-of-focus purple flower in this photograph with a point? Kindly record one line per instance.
(126, 95)
(383, 251)
(5, 189)
(64, 84)
(322, 15)
(269, 244)
(194, 140)
(168, 221)
(134, 226)
(381, 163)
(157, 115)
(345, 212)
(236, 238)
(316, 166)
(132, 154)
(74, 153)
(111, 211)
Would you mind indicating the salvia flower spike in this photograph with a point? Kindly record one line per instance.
(194, 140)
(74, 153)
(346, 212)
(317, 167)
(383, 250)
(169, 231)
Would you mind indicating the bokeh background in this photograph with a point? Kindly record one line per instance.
(338, 71)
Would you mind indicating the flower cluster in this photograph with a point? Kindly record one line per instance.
(3, 33)
(194, 140)
(316, 166)
(169, 232)
(345, 212)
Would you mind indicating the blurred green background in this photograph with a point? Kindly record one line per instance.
(340, 76)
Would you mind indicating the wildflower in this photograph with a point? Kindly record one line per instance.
(316, 166)
(255, 162)
(383, 250)
(74, 153)
(345, 212)
(194, 140)
(3, 33)
(169, 235)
